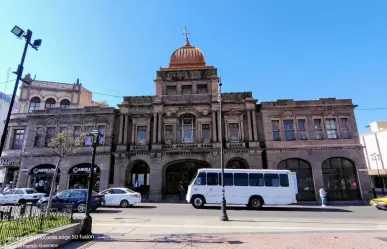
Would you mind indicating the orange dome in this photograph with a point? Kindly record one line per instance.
(187, 57)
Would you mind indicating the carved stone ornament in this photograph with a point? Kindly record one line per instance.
(205, 112)
(50, 121)
(330, 112)
(287, 113)
(169, 113)
(89, 120)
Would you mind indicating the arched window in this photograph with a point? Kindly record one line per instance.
(236, 163)
(187, 128)
(340, 179)
(34, 104)
(304, 175)
(50, 103)
(140, 173)
(65, 104)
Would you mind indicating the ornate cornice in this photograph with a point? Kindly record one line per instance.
(352, 148)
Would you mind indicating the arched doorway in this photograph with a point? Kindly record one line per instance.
(140, 172)
(340, 179)
(41, 177)
(79, 177)
(181, 171)
(304, 177)
(236, 163)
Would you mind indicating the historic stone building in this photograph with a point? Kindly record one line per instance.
(162, 139)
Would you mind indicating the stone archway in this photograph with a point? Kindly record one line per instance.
(236, 163)
(41, 177)
(140, 173)
(182, 170)
(304, 174)
(340, 179)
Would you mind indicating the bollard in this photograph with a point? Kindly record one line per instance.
(41, 222)
(22, 210)
(9, 213)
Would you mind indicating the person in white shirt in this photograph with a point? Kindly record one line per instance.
(323, 196)
(6, 189)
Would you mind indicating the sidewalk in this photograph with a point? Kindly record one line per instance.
(262, 241)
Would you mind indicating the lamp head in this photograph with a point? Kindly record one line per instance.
(17, 31)
(37, 43)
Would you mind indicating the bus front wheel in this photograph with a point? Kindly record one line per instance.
(197, 201)
(256, 202)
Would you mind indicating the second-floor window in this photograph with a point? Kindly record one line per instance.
(187, 128)
(34, 104)
(168, 132)
(318, 129)
(276, 130)
(38, 139)
(344, 128)
(289, 130)
(205, 132)
(64, 104)
(187, 89)
(331, 128)
(202, 89)
(234, 132)
(18, 137)
(50, 133)
(302, 129)
(50, 103)
(171, 90)
(88, 137)
(141, 135)
(101, 130)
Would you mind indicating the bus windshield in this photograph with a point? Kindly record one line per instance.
(193, 178)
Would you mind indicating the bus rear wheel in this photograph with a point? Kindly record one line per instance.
(256, 202)
(198, 201)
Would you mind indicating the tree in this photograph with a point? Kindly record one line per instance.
(63, 144)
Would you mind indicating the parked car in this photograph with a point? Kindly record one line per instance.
(379, 203)
(122, 197)
(21, 196)
(74, 198)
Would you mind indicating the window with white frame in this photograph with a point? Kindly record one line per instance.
(289, 130)
(205, 132)
(18, 137)
(330, 124)
(276, 130)
(141, 135)
(50, 103)
(34, 104)
(168, 132)
(318, 129)
(187, 128)
(344, 128)
(302, 129)
(234, 132)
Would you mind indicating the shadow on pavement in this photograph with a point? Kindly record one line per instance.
(182, 240)
(293, 209)
(107, 211)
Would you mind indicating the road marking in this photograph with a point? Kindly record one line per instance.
(240, 227)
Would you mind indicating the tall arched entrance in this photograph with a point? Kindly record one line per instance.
(236, 163)
(340, 179)
(139, 174)
(304, 174)
(181, 171)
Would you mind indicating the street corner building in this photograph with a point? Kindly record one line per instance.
(165, 138)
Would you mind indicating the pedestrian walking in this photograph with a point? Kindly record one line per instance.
(181, 190)
(323, 196)
(137, 186)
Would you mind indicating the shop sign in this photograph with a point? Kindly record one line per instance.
(50, 170)
(83, 170)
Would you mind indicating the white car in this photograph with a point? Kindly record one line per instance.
(21, 196)
(121, 197)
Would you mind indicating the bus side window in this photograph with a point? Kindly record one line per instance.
(241, 179)
(212, 179)
(228, 179)
(271, 180)
(256, 180)
(201, 179)
(284, 180)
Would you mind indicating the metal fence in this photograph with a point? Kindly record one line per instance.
(18, 222)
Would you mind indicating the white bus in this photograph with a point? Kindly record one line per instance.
(250, 187)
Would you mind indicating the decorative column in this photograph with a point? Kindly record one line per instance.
(242, 129)
(121, 129)
(126, 127)
(154, 128)
(249, 125)
(255, 133)
(148, 131)
(133, 132)
(160, 123)
(214, 127)
(219, 128)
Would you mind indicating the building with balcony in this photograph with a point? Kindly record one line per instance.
(45, 108)
(162, 139)
(375, 149)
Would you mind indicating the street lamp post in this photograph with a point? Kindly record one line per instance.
(28, 36)
(376, 158)
(223, 216)
(87, 221)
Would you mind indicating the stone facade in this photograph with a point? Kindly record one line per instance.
(162, 139)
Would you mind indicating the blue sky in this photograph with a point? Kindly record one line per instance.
(277, 49)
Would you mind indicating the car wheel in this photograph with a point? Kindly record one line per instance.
(21, 202)
(256, 203)
(198, 202)
(124, 204)
(81, 208)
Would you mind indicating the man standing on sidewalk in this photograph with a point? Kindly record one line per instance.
(323, 196)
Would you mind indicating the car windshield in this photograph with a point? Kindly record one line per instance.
(31, 191)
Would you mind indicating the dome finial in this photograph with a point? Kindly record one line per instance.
(186, 34)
